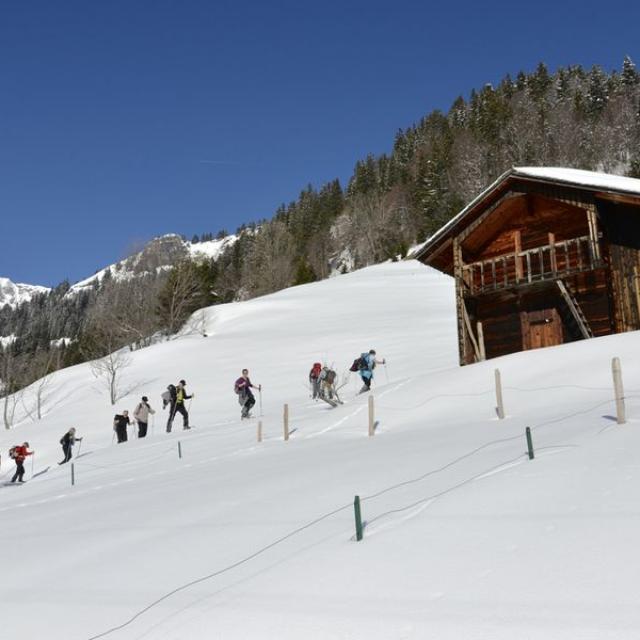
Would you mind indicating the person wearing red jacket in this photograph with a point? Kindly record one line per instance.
(19, 455)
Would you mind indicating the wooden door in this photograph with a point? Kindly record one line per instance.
(541, 328)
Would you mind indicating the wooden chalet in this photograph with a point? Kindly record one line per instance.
(542, 257)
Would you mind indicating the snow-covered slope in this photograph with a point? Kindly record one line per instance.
(464, 537)
(13, 294)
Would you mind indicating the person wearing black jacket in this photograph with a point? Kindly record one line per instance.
(120, 423)
(67, 441)
(177, 406)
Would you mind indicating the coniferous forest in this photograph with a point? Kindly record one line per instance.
(586, 119)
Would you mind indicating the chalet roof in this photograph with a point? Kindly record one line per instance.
(577, 178)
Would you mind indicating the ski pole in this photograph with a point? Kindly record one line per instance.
(33, 457)
(260, 396)
(79, 447)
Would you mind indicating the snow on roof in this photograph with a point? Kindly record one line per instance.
(587, 179)
(581, 177)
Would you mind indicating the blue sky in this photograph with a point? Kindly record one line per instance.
(120, 121)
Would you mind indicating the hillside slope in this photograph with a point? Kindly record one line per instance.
(465, 537)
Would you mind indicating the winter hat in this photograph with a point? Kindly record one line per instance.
(182, 382)
(25, 444)
(145, 399)
(372, 352)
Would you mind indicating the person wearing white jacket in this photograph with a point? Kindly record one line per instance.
(141, 415)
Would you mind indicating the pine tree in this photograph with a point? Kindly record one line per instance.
(629, 74)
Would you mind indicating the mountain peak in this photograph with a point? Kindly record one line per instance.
(14, 294)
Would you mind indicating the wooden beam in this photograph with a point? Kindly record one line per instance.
(517, 244)
(592, 219)
(552, 253)
(618, 197)
(483, 352)
(460, 306)
(478, 221)
(470, 330)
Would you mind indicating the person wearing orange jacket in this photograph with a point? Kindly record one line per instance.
(19, 455)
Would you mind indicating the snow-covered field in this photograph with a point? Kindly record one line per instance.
(465, 537)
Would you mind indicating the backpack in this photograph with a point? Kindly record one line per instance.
(168, 395)
(315, 371)
(359, 363)
(13, 453)
(330, 376)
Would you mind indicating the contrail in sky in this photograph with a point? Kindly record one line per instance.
(218, 162)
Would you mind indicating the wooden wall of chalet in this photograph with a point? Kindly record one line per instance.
(501, 314)
(621, 227)
(529, 217)
(584, 244)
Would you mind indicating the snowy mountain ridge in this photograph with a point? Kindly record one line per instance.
(13, 294)
(160, 253)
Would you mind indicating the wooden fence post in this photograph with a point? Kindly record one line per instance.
(618, 390)
(500, 407)
(372, 423)
(286, 421)
(259, 430)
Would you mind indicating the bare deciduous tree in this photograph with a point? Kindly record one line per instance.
(11, 383)
(108, 370)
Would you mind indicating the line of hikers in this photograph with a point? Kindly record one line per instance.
(322, 378)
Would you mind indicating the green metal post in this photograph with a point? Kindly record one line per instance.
(529, 444)
(356, 507)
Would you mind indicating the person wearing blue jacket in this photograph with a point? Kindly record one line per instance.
(369, 362)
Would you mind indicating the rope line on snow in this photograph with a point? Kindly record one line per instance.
(436, 397)
(559, 386)
(139, 461)
(219, 571)
(327, 515)
(482, 447)
(491, 391)
(445, 491)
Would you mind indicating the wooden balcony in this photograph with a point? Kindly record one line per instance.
(548, 262)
